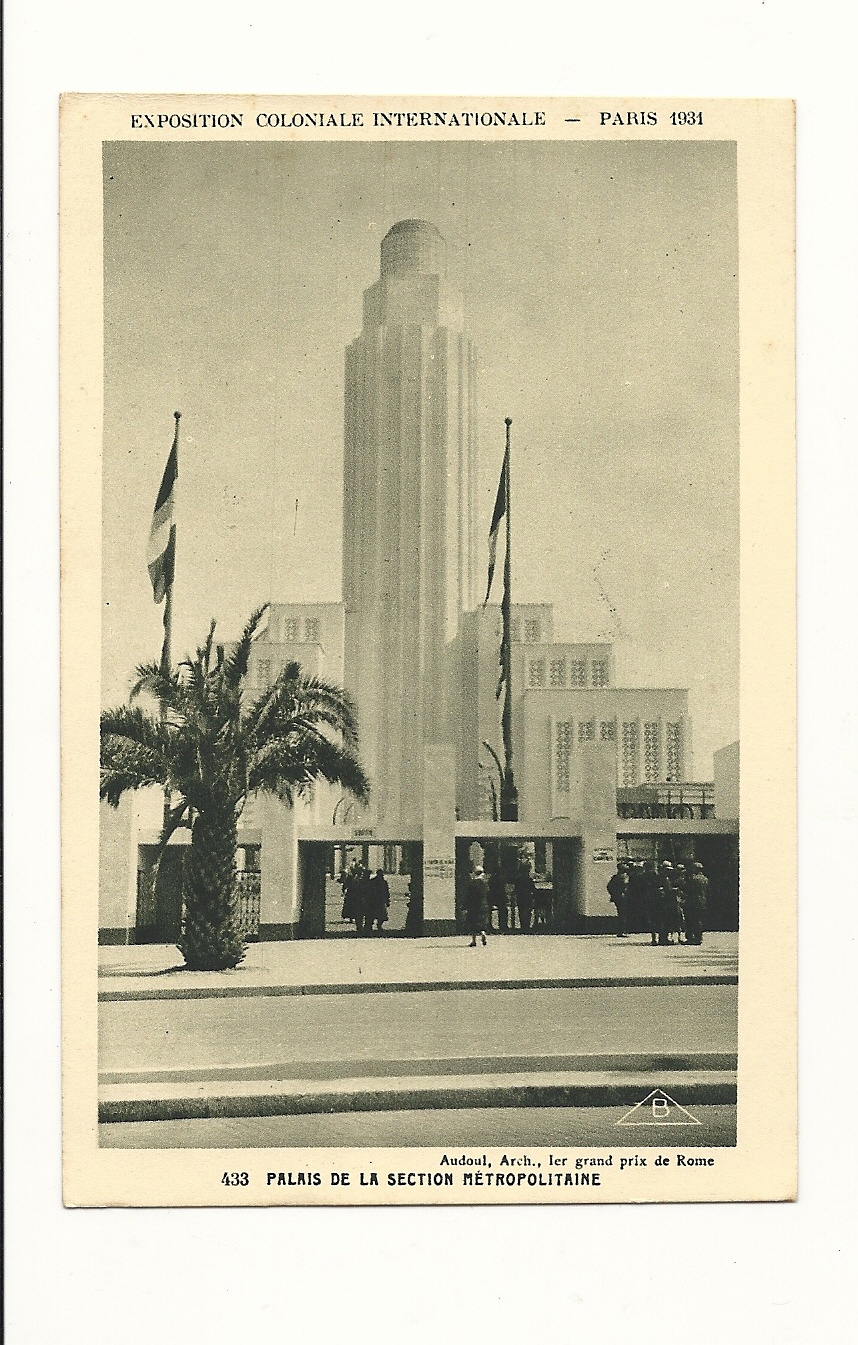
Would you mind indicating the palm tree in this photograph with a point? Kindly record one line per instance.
(214, 744)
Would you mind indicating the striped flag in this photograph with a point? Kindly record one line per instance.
(499, 511)
(161, 551)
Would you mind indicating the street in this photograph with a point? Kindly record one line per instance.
(216, 1032)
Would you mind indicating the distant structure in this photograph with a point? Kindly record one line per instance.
(408, 514)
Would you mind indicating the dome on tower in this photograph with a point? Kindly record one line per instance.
(413, 245)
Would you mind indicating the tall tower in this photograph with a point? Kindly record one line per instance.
(408, 562)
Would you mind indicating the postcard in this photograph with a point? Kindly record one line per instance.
(428, 671)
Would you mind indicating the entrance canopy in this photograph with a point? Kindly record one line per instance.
(548, 829)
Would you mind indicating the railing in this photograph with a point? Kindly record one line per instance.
(248, 887)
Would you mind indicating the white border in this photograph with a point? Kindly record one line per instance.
(757, 1273)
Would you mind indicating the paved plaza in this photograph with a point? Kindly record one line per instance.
(384, 962)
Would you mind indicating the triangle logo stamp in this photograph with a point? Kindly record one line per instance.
(657, 1109)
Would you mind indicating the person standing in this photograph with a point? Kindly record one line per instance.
(618, 891)
(697, 895)
(636, 913)
(351, 910)
(379, 900)
(477, 906)
(364, 901)
(525, 891)
(667, 904)
(497, 899)
(680, 883)
(651, 892)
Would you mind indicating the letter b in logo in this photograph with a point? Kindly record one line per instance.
(660, 1108)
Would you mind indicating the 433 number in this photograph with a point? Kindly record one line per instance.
(235, 1179)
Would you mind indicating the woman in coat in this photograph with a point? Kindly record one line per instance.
(379, 901)
(477, 906)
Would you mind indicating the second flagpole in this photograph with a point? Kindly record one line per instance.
(509, 793)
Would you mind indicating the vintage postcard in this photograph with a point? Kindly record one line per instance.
(428, 650)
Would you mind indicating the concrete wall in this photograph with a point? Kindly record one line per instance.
(117, 872)
(439, 840)
(726, 767)
(279, 909)
(594, 788)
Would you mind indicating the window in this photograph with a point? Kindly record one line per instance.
(652, 752)
(674, 752)
(558, 672)
(263, 673)
(311, 630)
(563, 748)
(630, 753)
(531, 632)
(608, 732)
(515, 630)
(599, 669)
(586, 732)
(290, 630)
(536, 672)
(578, 673)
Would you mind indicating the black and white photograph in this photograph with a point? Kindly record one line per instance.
(420, 663)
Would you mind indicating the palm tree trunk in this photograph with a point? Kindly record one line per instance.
(211, 940)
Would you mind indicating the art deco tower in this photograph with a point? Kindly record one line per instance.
(408, 563)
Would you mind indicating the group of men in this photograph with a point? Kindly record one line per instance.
(366, 898)
(670, 898)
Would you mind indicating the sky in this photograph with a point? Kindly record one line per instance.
(600, 285)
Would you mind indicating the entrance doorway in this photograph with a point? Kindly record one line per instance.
(554, 865)
(159, 894)
(326, 870)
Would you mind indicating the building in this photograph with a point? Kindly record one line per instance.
(564, 697)
(408, 536)
(597, 765)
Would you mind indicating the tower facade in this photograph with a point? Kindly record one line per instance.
(409, 468)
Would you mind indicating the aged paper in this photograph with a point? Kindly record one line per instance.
(482, 410)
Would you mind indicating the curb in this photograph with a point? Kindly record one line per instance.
(406, 987)
(461, 1066)
(696, 1090)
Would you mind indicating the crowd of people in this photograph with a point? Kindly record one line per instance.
(669, 899)
(366, 898)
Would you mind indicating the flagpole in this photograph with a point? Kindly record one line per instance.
(509, 793)
(167, 647)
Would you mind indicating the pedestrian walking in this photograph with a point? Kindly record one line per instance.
(618, 891)
(477, 906)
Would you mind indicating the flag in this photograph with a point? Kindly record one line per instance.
(499, 511)
(161, 551)
(501, 674)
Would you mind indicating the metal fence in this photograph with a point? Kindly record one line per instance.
(248, 888)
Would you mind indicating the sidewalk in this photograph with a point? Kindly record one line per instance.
(387, 965)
